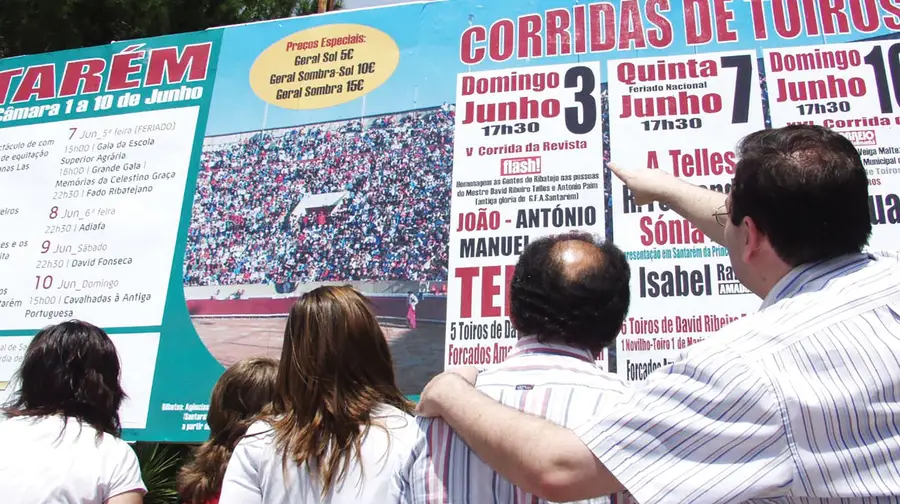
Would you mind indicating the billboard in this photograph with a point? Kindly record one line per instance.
(183, 191)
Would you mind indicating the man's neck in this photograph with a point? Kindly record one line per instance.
(526, 342)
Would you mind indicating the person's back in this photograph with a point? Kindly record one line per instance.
(42, 463)
(557, 382)
(800, 401)
(825, 346)
(240, 395)
(338, 423)
(255, 472)
(573, 293)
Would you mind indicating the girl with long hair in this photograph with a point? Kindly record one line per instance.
(61, 434)
(242, 392)
(340, 425)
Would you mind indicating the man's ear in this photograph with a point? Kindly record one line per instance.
(753, 239)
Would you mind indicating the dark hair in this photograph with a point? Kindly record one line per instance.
(583, 305)
(806, 190)
(71, 369)
(243, 391)
(335, 369)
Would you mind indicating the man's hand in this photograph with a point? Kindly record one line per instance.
(647, 185)
(444, 385)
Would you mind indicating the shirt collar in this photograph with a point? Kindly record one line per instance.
(529, 345)
(796, 279)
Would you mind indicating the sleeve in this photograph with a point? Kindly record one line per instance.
(399, 489)
(706, 429)
(405, 482)
(124, 472)
(241, 482)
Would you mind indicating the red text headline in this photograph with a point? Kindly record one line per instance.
(641, 24)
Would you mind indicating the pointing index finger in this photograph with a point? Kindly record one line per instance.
(615, 168)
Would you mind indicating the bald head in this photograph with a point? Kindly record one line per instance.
(570, 289)
(576, 257)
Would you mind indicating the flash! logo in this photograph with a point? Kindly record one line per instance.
(530, 165)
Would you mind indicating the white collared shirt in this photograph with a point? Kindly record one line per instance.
(799, 402)
(61, 461)
(255, 473)
(558, 382)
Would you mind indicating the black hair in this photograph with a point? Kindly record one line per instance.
(583, 306)
(806, 190)
(71, 369)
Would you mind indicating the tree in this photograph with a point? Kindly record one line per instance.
(35, 26)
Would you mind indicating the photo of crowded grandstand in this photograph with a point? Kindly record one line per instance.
(364, 202)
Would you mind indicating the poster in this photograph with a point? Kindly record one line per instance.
(97, 170)
(853, 89)
(184, 191)
(527, 148)
(679, 114)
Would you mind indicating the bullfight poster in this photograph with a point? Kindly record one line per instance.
(184, 191)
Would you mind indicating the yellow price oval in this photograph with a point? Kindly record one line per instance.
(324, 66)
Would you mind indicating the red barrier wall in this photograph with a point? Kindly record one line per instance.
(429, 308)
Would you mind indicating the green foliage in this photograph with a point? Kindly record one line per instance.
(159, 469)
(35, 26)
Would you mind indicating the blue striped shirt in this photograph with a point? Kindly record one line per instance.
(557, 382)
(799, 402)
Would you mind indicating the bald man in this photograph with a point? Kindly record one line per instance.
(568, 299)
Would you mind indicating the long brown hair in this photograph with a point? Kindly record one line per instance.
(243, 391)
(335, 369)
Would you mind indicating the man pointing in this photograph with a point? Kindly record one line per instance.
(798, 402)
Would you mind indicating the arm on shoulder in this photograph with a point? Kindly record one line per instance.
(691, 433)
(708, 428)
(534, 454)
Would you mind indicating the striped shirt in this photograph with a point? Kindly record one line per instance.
(557, 382)
(799, 402)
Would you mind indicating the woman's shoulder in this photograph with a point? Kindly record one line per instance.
(400, 424)
(259, 427)
(111, 447)
(259, 431)
(390, 412)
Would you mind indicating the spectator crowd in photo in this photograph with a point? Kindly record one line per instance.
(393, 223)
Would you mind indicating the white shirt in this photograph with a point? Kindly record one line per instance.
(42, 464)
(557, 382)
(255, 473)
(799, 402)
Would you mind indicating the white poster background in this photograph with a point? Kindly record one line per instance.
(78, 246)
(507, 167)
(684, 115)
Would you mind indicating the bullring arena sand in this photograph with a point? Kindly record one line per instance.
(418, 353)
